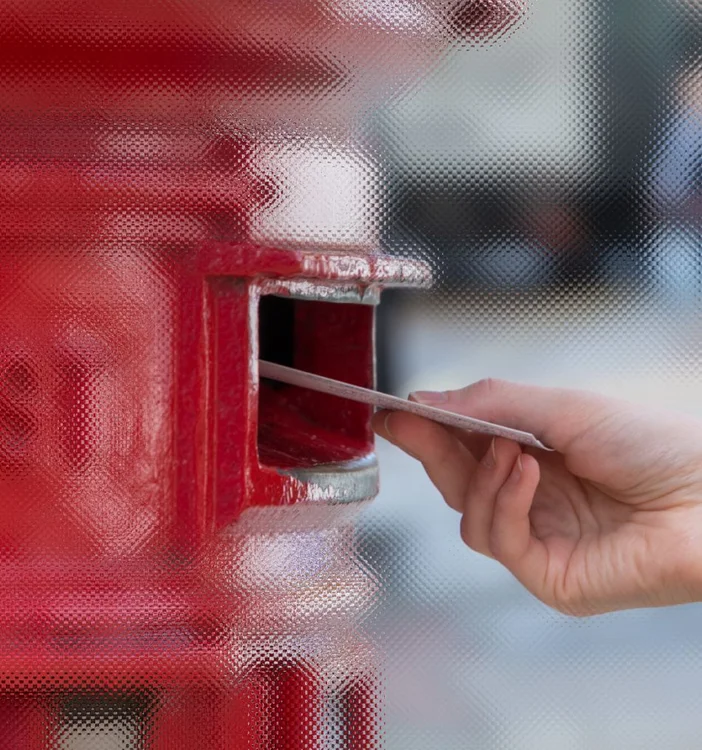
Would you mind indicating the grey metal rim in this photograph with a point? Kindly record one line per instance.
(345, 482)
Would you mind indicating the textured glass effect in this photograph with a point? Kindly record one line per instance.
(191, 558)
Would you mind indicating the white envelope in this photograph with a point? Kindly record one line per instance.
(383, 401)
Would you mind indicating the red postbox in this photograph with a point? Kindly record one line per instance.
(176, 566)
(136, 434)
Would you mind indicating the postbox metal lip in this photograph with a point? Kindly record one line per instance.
(342, 482)
(320, 291)
(347, 266)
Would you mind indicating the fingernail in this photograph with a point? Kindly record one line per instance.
(517, 470)
(490, 458)
(386, 424)
(429, 397)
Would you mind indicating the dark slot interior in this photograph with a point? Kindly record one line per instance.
(298, 427)
(276, 326)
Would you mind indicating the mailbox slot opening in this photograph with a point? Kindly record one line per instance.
(302, 428)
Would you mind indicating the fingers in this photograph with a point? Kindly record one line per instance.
(489, 476)
(476, 443)
(511, 540)
(495, 494)
(496, 518)
(556, 416)
(446, 460)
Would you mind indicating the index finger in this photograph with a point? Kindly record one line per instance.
(448, 463)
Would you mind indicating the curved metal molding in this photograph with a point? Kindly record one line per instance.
(347, 482)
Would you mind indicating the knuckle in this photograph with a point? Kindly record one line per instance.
(453, 500)
(575, 609)
(466, 531)
(472, 537)
(571, 602)
(484, 388)
(499, 532)
(499, 546)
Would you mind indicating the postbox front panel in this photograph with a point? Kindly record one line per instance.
(87, 381)
(177, 554)
(190, 557)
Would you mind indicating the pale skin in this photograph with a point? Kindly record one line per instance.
(612, 520)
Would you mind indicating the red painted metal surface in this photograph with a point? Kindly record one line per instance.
(115, 460)
(133, 430)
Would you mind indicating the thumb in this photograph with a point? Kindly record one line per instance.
(556, 416)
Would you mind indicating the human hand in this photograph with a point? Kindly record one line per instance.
(612, 520)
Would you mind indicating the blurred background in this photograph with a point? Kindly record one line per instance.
(551, 179)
